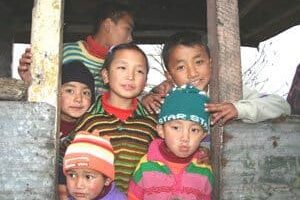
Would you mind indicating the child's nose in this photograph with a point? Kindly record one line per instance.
(78, 97)
(130, 75)
(80, 183)
(192, 72)
(185, 136)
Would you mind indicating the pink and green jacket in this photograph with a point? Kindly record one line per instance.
(154, 180)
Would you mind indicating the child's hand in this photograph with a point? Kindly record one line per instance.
(152, 102)
(24, 64)
(204, 156)
(222, 112)
(163, 88)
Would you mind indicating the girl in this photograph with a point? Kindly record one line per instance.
(118, 114)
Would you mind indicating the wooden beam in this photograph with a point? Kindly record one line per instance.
(226, 81)
(274, 20)
(12, 89)
(46, 45)
(249, 6)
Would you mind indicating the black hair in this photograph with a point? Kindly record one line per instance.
(186, 38)
(113, 10)
(130, 46)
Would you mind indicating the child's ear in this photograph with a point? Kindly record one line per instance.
(107, 182)
(210, 63)
(160, 130)
(104, 74)
(106, 25)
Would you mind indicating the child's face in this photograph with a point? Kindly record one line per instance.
(126, 75)
(75, 100)
(189, 65)
(121, 32)
(85, 184)
(182, 137)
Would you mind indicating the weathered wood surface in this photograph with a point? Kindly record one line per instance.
(46, 46)
(12, 89)
(261, 161)
(28, 151)
(226, 82)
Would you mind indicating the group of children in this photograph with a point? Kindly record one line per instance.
(95, 167)
(112, 147)
(152, 158)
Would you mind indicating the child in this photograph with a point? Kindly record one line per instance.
(76, 96)
(187, 60)
(89, 168)
(113, 26)
(118, 113)
(170, 170)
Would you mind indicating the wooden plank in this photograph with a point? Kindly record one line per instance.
(12, 89)
(46, 43)
(226, 82)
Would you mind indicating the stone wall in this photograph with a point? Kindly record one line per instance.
(261, 161)
(27, 148)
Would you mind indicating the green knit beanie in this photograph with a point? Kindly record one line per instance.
(186, 103)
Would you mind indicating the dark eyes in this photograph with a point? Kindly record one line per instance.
(72, 175)
(87, 93)
(141, 72)
(175, 127)
(70, 91)
(121, 67)
(181, 67)
(89, 177)
(195, 130)
(199, 62)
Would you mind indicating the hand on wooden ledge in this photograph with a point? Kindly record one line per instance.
(222, 112)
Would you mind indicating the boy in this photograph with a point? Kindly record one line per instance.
(89, 168)
(76, 96)
(170, 170)
(118, 113)
(113, 26)
(187, 60)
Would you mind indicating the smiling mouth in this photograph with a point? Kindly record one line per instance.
(197, 81)
(128, 87)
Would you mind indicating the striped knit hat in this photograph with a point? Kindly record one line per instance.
(187, 103)
(92, 152)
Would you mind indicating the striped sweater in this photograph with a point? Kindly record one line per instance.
(77, 51)
(154, 179)
(130, 138)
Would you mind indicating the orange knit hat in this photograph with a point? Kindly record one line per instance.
(92, 152)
